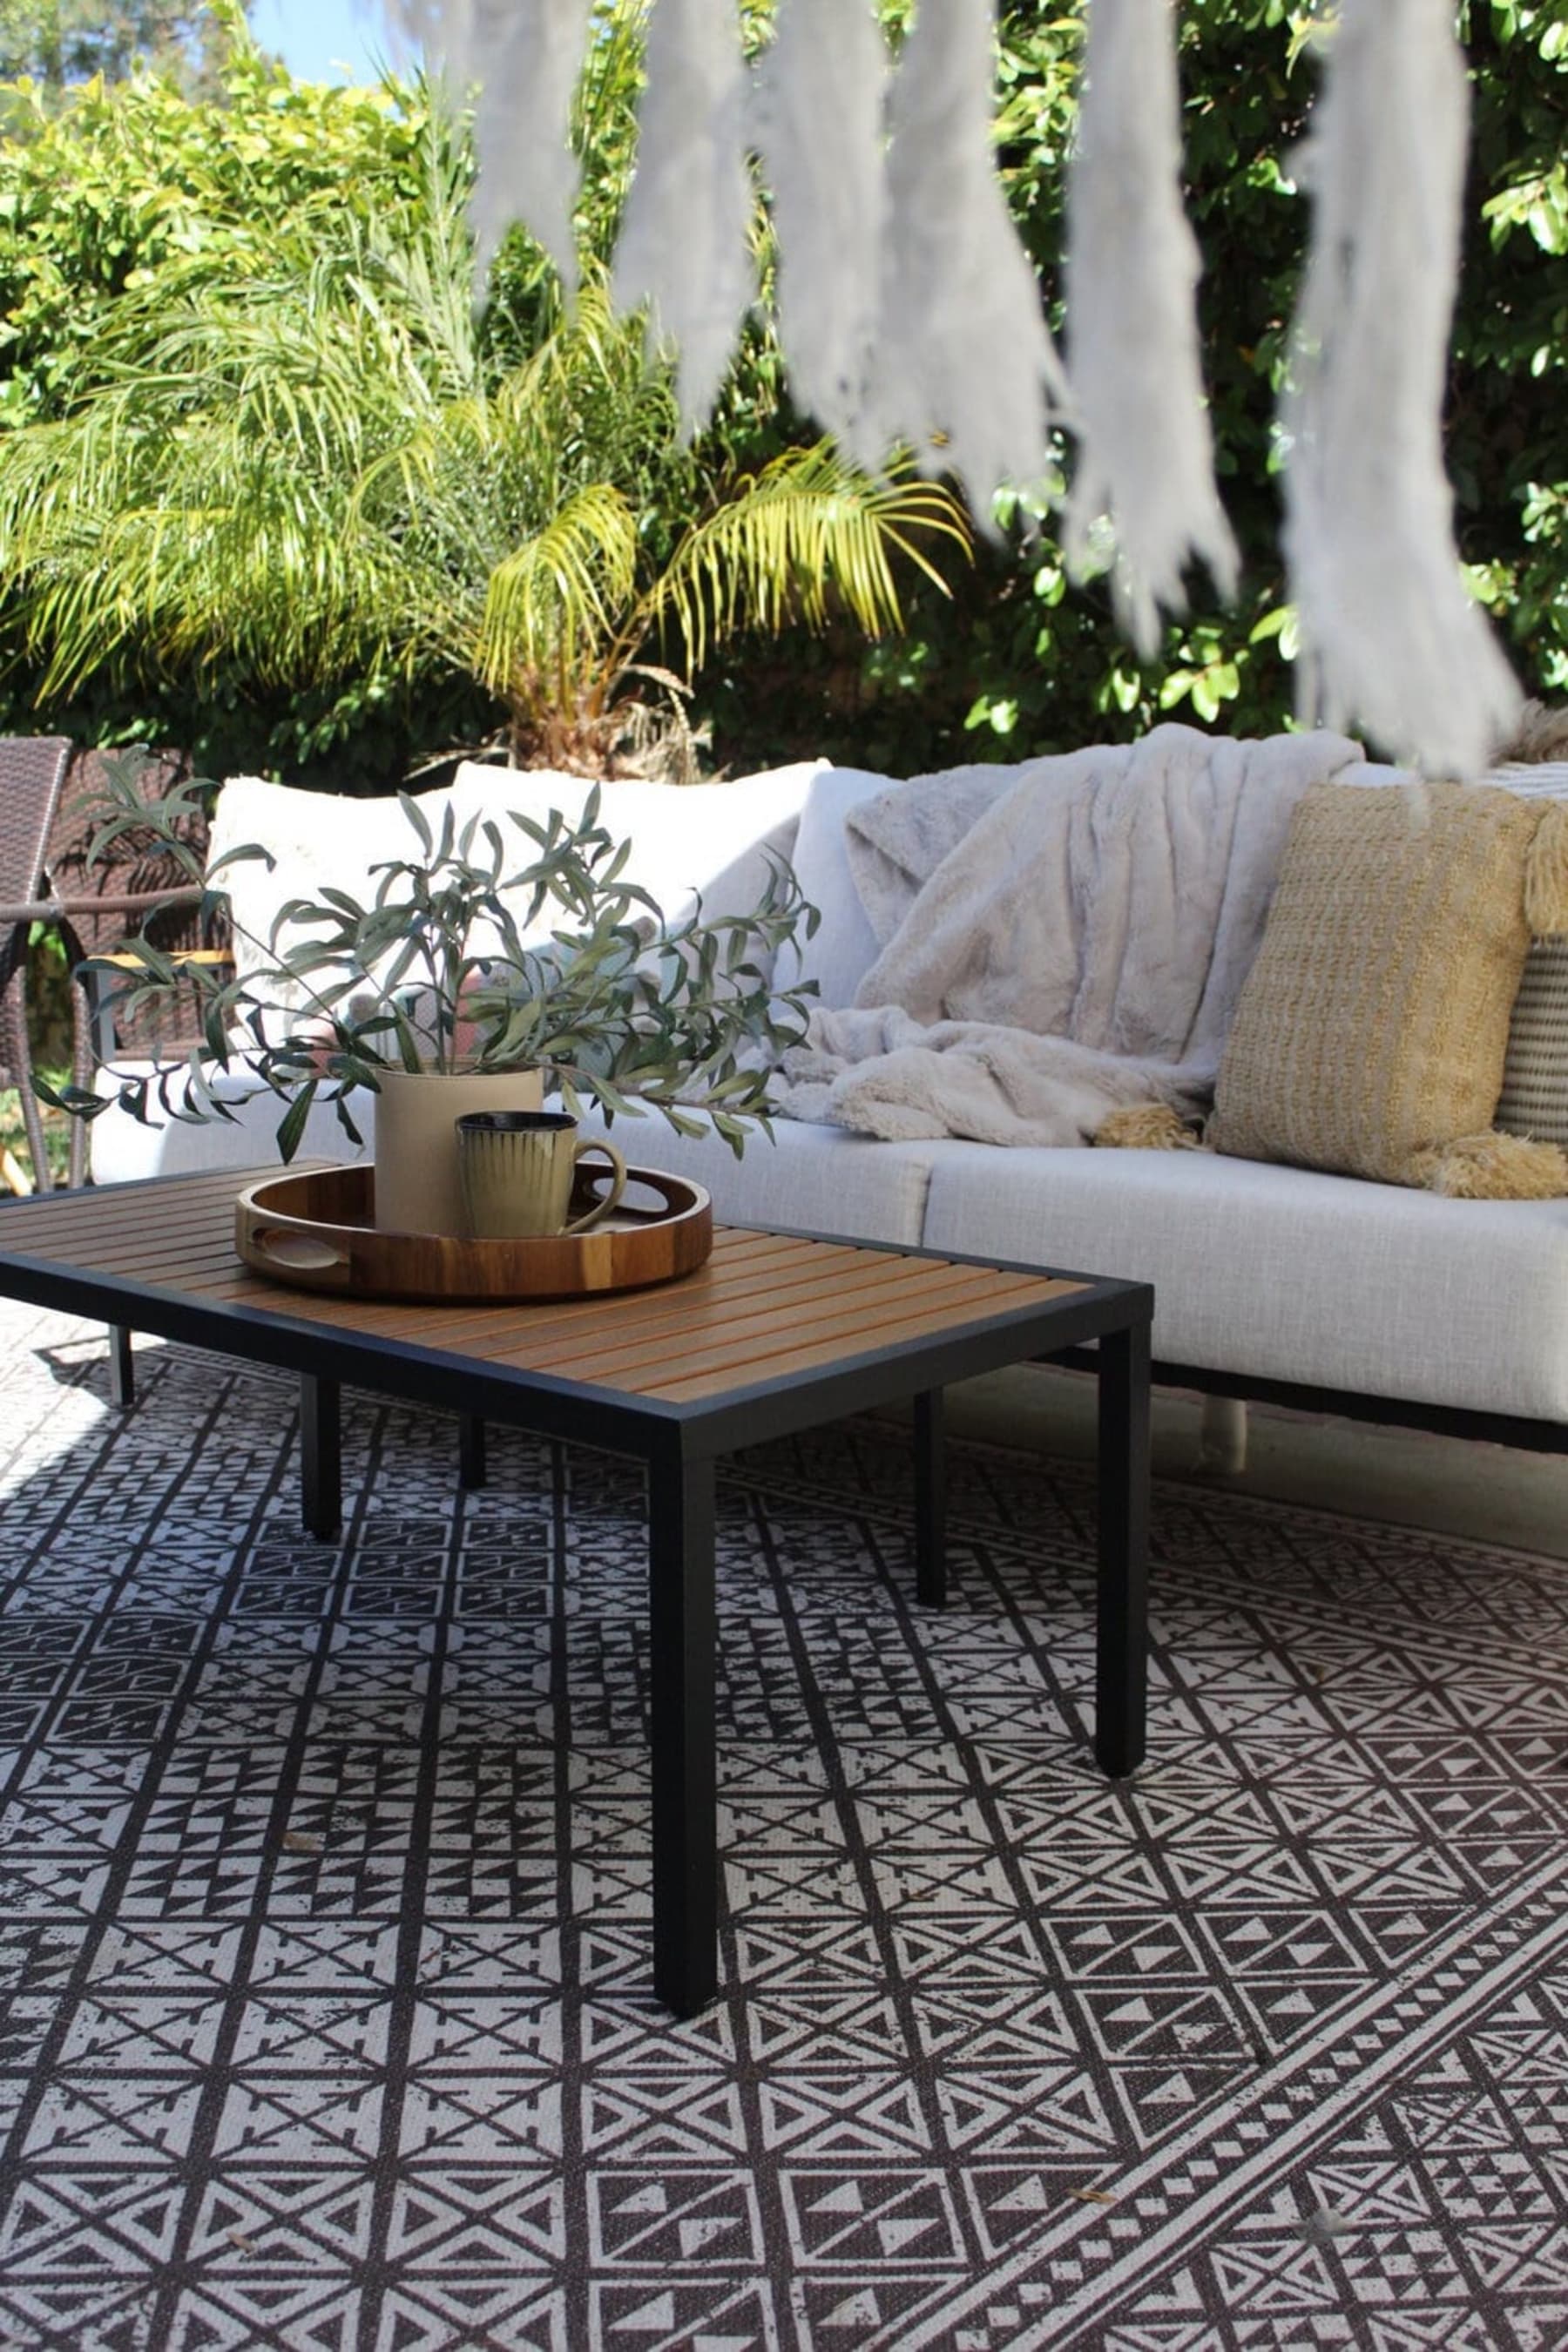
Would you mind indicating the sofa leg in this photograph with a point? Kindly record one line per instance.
(1222, 1440)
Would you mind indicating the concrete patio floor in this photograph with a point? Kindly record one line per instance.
(1491, 1494)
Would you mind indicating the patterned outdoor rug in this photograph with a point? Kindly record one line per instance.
(324, 1919)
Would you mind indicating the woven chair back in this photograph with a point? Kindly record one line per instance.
(135, 863)
(32, 771)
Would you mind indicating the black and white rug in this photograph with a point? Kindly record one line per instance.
(324, 1911)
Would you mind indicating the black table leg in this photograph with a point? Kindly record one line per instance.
(121, 1368)
(930, 1501)
(685, 1806)
(320, 1455)
(1122, 1643)
(472, 1468)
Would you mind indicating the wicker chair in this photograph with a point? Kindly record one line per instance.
(32, 773)
(98, 902)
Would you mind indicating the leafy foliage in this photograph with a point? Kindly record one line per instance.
(121, 191)
(58, 42)
(1019, 661)
(445, 969)
(109, 196)
(291, 460)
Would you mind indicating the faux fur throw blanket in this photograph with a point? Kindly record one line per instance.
(1056, 942)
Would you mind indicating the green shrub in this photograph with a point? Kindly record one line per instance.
(1018, 661)
(110, 193)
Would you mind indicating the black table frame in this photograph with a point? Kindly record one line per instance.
(680, 1445)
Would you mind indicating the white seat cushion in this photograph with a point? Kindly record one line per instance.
(1285, 1273)
(819, 1180)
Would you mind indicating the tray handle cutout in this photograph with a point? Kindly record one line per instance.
(300, 1254)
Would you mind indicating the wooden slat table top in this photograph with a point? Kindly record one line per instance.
(765, 1307)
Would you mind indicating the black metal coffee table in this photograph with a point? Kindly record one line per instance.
(778, 1332)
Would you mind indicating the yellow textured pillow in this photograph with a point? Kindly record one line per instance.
(1370, 1033)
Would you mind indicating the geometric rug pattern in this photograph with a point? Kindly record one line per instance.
(324, 1909)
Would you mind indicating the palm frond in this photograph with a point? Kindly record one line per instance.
(552, 602)
(787, 543)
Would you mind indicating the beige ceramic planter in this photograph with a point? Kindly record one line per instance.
(417, 1189)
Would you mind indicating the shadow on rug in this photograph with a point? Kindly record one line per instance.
(324, 1911)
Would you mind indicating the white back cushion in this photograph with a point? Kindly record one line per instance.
(688, 840)
(845, 945)
(712, 839)
(309, 838)
(1534, 780)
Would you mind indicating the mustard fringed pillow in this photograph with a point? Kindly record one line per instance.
(1370, 1033)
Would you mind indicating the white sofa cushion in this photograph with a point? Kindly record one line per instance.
(820, 1179)
(309, 838)
(1285, 1273)
(817, 1179)
(848, 943)
(712, 840)
(1536, 780)
(1278, 1271)
(845, 946)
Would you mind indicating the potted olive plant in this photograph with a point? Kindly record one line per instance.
(445, 994)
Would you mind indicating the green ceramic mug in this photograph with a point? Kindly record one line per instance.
(516, 1169)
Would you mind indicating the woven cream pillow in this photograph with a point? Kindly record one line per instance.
(1370, 1033)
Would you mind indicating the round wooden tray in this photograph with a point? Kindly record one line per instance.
(312, 1229)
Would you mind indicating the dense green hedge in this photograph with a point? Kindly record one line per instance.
(98, 196)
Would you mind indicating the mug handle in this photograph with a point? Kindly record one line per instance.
(602, 1207)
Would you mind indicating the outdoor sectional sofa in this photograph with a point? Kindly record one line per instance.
(1271, 1281)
